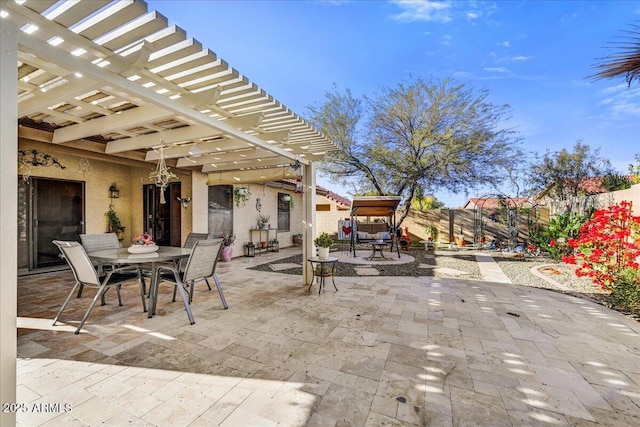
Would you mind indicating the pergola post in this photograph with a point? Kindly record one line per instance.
(8, 215)
(309, 202)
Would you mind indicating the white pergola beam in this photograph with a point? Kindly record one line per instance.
(207, 147)
(126, 119)
(243, 165)
(188, 133)
(249, 176)
(229, 156)
(186, 150)
(133, 89)
(41, 100)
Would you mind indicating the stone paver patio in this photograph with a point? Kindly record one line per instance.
(380, 351)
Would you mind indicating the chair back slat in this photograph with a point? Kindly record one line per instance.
(79, 262)
(98, 242)
(202, 261)
(192, 238)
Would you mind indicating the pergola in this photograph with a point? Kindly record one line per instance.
(377, 206)
(113, 78)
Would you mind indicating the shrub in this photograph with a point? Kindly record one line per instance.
(608, 251)
(616, 181)
(323, 240)
(554, 237)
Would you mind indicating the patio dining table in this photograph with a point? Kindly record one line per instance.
(122, 256)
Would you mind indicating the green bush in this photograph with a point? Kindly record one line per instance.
(553, 238)
(615, 181)
(323, 240)
(626, 294)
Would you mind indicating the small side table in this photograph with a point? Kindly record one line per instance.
(322, 267)
(377, 247)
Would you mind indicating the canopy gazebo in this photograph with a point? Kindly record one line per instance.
(375, 206)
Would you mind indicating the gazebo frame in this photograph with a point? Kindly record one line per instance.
(379, 206)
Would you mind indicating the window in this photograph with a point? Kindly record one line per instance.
(220, 215)
(284, 211)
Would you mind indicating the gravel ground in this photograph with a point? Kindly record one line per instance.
(462, 261)
(518, 271)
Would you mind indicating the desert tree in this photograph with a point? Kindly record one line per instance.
(415, 138)
(565, 175)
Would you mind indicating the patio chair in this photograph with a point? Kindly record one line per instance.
(191, 240)
(86, 275)
(200, 266)
(98, 242)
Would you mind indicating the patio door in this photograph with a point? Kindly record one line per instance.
(48, 209)
(163, 221)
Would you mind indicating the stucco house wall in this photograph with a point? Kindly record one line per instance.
(328, 213)
(102, 171)
(130, 176)
(245, 218)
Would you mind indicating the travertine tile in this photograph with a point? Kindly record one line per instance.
(381, 351)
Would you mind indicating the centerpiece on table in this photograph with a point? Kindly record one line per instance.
(142, 244)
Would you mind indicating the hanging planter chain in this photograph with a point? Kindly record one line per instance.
(162, 175)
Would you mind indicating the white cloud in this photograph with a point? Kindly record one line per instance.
(522, 58)
(461, 74)
(473, 15)
(505, 43)
(613, 89)
(496, 69)
(423, 10)
(446, 40)
(620, 101)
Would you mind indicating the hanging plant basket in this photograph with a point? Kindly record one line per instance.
(162, 175)
(241, 195)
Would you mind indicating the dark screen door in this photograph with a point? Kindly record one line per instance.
(162, 221)
(48, 209)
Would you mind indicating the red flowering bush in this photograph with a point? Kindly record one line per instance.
(608, 251)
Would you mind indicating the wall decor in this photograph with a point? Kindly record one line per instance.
(185, 201)
(37, 158)
(84, 166)
(27, 159)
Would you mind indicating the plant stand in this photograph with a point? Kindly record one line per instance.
(263, 243)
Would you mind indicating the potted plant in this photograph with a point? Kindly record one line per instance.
(432, 232)
(460, 239)
(287, 198)
(263, 221)
(227, 252)
(323, 242)
(115, 225)
(241, 195)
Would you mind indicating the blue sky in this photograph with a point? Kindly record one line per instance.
(533, 55)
